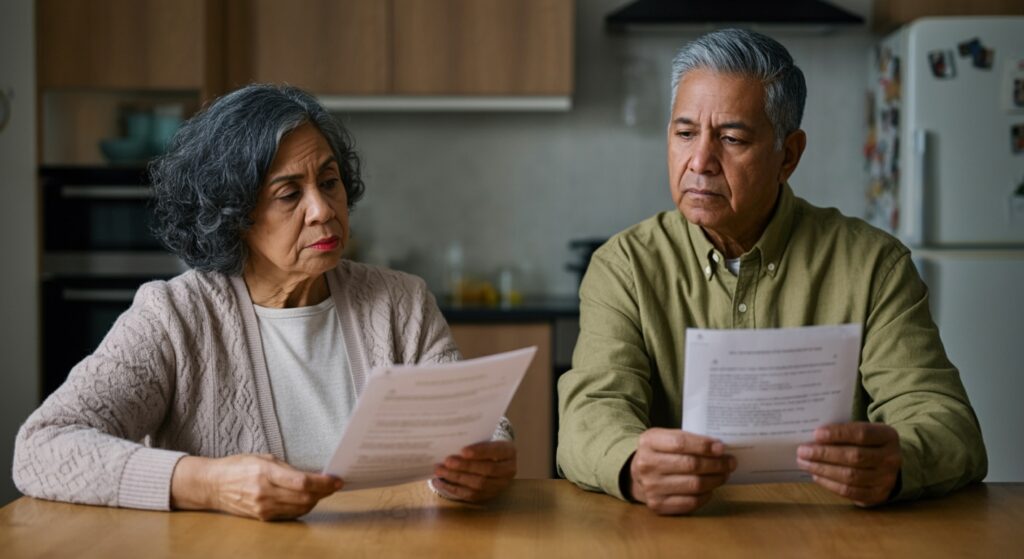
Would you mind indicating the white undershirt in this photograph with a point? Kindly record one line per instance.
(733, 264)
(310, 379)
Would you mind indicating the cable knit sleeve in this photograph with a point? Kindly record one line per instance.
(83, 444)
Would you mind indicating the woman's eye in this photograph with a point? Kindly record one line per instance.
(330, 183)
(291, 196)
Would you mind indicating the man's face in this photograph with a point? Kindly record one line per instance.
(724, 170)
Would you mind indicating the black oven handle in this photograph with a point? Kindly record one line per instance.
(98, 295)
(106, 192)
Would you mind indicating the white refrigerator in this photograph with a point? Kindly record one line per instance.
(945, 156)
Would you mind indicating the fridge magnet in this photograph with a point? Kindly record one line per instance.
(968, 48)
(1013, 85)
(1017, 138)
(941, 63)
(981, 57)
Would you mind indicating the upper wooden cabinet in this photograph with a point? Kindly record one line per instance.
(330, 47)
(130, 44)
(890, 14)
(326, 46)
(483, 47)
(405, 47)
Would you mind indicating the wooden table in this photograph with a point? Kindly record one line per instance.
(539, 518)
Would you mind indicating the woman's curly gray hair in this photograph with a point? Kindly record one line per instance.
(207, 184)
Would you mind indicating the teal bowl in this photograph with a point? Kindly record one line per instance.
(124, 150)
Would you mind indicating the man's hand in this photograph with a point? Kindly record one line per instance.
(479, 472)
(257, 486)
(860, 461)
(674, 472)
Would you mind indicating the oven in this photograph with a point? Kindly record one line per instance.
(98, 248)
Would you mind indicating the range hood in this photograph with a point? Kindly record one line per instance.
(644, 14)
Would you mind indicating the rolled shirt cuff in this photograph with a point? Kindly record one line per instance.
(146, 479)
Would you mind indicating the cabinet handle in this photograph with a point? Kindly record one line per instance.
(103, 192)
(99, 295)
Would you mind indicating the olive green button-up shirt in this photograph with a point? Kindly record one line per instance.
(811, 266)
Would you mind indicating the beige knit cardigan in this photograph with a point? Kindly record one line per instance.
(182, 373)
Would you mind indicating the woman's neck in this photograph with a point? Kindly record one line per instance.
(293, 292)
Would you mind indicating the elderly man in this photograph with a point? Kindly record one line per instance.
(743, 252)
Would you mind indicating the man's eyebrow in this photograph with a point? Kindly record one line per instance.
(731, 125)
(287, 178)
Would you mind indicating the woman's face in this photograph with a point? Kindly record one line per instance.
(300, 224)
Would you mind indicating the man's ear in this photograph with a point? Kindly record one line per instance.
(792, 149)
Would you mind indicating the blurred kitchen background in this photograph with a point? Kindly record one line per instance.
(494, 134)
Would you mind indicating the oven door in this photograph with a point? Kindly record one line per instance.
(77, 314)
(97, 209)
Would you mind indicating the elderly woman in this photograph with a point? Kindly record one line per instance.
(228, 386)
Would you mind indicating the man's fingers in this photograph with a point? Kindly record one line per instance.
(661, 463)
(858, 433)
(678, 504)
(862, 496)
(685, 484)
(680, 442)
(843, 455)
(845, 475)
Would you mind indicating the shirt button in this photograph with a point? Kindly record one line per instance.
(771, 267)
(714, 257)
(707, 271)
(742, 307)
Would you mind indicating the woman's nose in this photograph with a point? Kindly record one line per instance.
(319, 208)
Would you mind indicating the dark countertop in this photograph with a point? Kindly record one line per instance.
(532, 309)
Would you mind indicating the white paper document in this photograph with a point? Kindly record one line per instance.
(764, 392)
(410, 417)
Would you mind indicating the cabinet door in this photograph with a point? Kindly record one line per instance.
(483, 47)
(889, 14)
(530, 412)
(324, 46)
(133, 44)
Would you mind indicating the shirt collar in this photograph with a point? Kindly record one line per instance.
(770, 246)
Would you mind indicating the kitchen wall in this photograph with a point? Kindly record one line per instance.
(19, 346)
(514, 188)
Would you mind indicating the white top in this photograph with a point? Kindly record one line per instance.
(310, 379)
(733, 264)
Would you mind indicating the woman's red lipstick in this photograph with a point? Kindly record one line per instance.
(326, 243)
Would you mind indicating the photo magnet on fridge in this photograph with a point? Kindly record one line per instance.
(941, 63)
(968, 47)
(1013, 85)
(981, 57)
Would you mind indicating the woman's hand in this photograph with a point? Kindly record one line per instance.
(479, 472)
(253, 485)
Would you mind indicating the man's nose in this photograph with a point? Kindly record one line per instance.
(704, 157)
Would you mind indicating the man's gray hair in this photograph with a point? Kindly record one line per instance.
(751, 54)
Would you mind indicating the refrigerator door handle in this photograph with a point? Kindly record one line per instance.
(918, 207)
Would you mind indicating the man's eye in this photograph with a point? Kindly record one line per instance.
(291, 196)
(330, 183)
(731, 140)
(686, 134)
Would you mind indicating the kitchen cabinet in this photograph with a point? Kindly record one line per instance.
(326, 46)
(532, 409)
(483, 47)
(131, 44)
(404, 47)
(890, 14)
